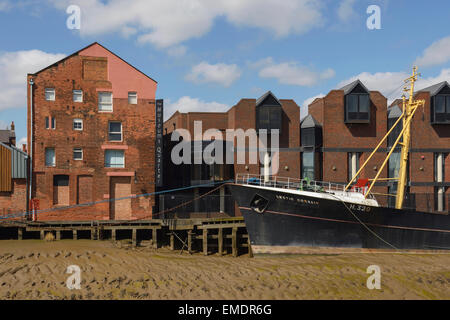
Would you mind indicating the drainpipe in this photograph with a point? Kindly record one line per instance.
(30, 147)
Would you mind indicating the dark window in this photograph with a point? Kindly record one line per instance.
(269, 117)
(395, 133)
(440, 110)
(115, 131)
(357, 108)
(308, 165)
(53, 123)
(307, 136)
(47, 123)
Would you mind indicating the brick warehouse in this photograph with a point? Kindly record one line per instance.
(266, 112)
(93, 137)
(350, 133)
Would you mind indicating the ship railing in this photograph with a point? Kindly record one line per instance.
(298, 184)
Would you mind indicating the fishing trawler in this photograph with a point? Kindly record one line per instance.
(286, 215)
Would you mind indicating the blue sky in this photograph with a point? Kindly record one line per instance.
(207, 55)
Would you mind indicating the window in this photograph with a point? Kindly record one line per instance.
(105, 101)
(353, 164)
(50, 157)
(53, 121)
(50, 94)
(114, 159)
(269, 117)
(357, 108)
(77, 96)
(132, 97)
(441, 109)
(77, 154)
(115, 131)
(47, 123)
(439, 167)
(77, 124)
(308, 165)
(394, 165)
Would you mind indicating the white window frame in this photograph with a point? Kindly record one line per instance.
(77, 120)
(132, 95)
(78, 150)
(114, 150)
(47, 122)
(101, 105)
(77, 93)
(115, 132)
(50, 90)
(54, 157)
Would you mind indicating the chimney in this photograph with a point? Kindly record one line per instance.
(12, 135)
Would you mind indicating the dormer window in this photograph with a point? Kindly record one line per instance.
(357, 108)
(268, 112)
(440, 109)
(356, 103)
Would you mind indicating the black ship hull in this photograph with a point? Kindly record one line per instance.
(286, 222)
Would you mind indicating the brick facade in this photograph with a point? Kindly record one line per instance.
(92, 69)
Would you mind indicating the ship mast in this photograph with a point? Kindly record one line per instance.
(408, 110)
(410, 107)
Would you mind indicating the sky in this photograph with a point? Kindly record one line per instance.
(207, 55)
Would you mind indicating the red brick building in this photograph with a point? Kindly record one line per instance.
(91, 133)
(353, 120)
(267, 112)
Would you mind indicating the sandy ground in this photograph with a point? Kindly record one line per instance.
(33, 269)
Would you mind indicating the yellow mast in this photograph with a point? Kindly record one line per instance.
(409, 109)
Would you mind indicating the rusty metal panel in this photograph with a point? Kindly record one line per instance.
(5, 169)
(19, 162)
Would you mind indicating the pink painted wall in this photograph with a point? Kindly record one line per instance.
(124, 78)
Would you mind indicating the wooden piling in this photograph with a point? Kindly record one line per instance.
(250, 252)
(172, 241)
(19, 234)
(205, 241)
(155, 238)
(92, 234)
(234, 250)
(42, 234)
(113, 234)
(190, 241)
(220, 242)
(134, 237)
(58, 235)
(74, 234)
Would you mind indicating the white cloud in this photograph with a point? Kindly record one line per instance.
(306, 103)
(14, 67)
(170, 22)
(436, 54)
(221, 73)
(188, 104)
(291, 72)
(22, 141)
(5, 5)
(177, 51)
(3, 125)
(390, 84)
(346, 11)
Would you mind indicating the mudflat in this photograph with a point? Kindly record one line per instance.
(34, 269)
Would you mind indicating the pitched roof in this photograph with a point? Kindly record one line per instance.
(309, 122)
(394, 112)
(348, 88)
(5, 135)
(264, 96)
(436, 88)
(77, 52)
